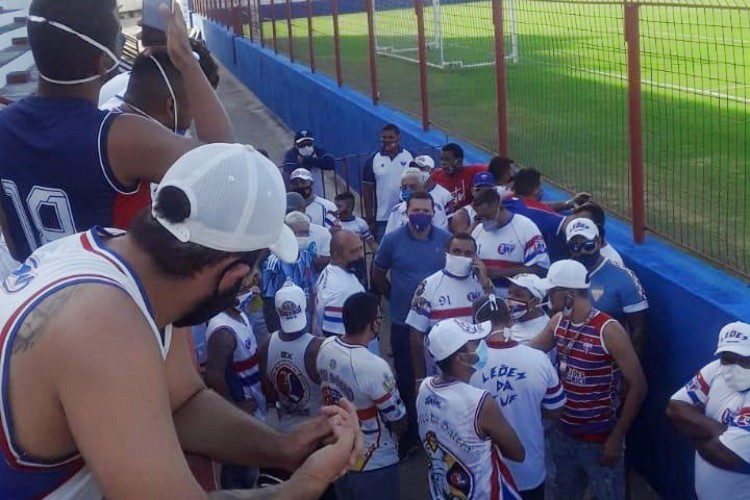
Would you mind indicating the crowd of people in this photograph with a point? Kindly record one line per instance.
(180, 317)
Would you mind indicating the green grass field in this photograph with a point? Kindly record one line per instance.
(567, 104)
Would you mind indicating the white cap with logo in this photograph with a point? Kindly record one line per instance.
(423, 161)
(450, 335)
(734, 337)
(565, 274)
(301, 173)
(529, 282)
(237, 201)
(291, 305)
(581, 227)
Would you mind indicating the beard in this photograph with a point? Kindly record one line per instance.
(209, 307)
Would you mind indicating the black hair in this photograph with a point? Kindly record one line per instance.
(171, 256)
(456, 150)
(263, 152)
(499, 167)
(64, 56)
(392, 127)
(346, 196)
(420, 195)
(147, 88)
(597, 214)
(463, 237)
(490, 308)
(206, 62)
(360, 310)
(486, 197)
(526, 181)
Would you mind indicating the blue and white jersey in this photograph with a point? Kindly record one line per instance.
(75, 260)
(385, 172)
(616, 291)
(322, 212)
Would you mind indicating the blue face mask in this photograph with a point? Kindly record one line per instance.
(420, 221)
(405, 194)
(481, 353)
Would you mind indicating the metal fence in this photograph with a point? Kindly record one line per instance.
(642, 103)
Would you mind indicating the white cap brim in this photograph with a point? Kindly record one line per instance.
(741, 349)
(285, 247)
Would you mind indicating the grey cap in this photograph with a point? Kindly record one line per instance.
(295, 203)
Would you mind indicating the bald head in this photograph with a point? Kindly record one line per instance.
(346, 247)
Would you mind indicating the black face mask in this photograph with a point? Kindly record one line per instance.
(354, 265)
(304, 192)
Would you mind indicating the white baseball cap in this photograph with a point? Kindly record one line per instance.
(450, 335)
(530, 282)
(301, 173)
(734, 337)
(291, 305)
(565, 274)
(581, 227)
(423, 161)
(237, 200)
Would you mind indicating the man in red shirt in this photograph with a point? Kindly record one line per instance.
(456, 177)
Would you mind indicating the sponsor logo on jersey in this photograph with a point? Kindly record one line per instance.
(21, 277)
(505, 248)
(472, 296)
(290, 384)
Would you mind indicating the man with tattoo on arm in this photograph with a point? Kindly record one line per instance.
(102, 401)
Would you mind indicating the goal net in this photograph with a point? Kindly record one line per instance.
(456, 34)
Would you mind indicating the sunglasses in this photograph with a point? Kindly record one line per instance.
(585, 246)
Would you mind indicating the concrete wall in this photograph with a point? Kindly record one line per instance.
(690, 300)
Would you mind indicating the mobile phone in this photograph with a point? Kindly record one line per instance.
(154, 24)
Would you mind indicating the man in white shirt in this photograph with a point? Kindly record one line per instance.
(525, 385)
(508, 243)
(426, 165)
(381, 176)
(347, 369)
(320, 210)
(448, 293)
(411, 182)
(713, 409)
(525, 305)
(337, 282)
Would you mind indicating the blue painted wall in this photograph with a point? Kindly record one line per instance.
(690, 301)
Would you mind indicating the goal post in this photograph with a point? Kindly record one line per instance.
(448, 45)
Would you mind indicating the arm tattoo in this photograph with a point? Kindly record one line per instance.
(36, 321)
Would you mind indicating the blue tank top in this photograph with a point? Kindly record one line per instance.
(55, 174)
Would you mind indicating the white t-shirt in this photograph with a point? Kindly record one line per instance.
(334, 286)
(357, 226)
(522, 380)
(113, 91)
(708, 391)
(609, 252)
(322, 239)
(524, 332)
(322, 212)
(353, 372)
(441, 296)
(386, 174)
(517, 242)
(441, 195)
(398, 217)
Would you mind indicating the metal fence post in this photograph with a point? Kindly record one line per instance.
(337, 42)
(635, 122)
(370, 8)
(237, 20)
(260, 24)
(273, 28)
(500, 79)
(423, 91)
(250, 19)
(310, 46)
(289, 29)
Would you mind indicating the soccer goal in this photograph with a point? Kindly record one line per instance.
(457, 35)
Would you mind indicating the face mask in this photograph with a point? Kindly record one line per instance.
(588, 260)
(306, 151)
(517, 308)
(458, 265)
(85, 38)
(353, 265)
(420, 221)
(303, 242)
(405, 194)
(244, 299)
(209, 307)
(481, 355)
(736, 377)
(305, 192)
(491, 224)
(568, 307)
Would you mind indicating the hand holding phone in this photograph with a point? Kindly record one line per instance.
(154, 24)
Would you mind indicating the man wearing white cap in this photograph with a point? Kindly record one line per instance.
(411, 182)
(118, 397)
(713, 409)
(320, 210)
(349, 370)
(525, 305)
(426, 165)
(614, 289)
(463, 432)
(604, 385)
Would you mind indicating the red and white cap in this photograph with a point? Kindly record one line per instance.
(237, 201)
(734, 337)
(450, 335)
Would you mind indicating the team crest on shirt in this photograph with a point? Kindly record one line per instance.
(742, 419)
(290, 383)
(248, 343)
(451, 478)
(21, 277)
(597, 293)
(472, 296)
(389, 383)
(505, 248)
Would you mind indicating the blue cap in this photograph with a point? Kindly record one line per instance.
(483, 179)
(303, 135)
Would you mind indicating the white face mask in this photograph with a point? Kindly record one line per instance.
(458, 265)
(303, 242)
(85, 38)
(306, 151)
(244, 299)
(736, 377)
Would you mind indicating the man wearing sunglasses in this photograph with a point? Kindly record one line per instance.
(615, 290)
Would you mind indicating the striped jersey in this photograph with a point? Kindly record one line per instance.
(243, 378)
(517, 242)
(298, 396)
(589, 376)
(335, 285)
(322, 212)
(461, 462)
(442, 296)
(353, 372)
(78, 259)
(358, 226)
